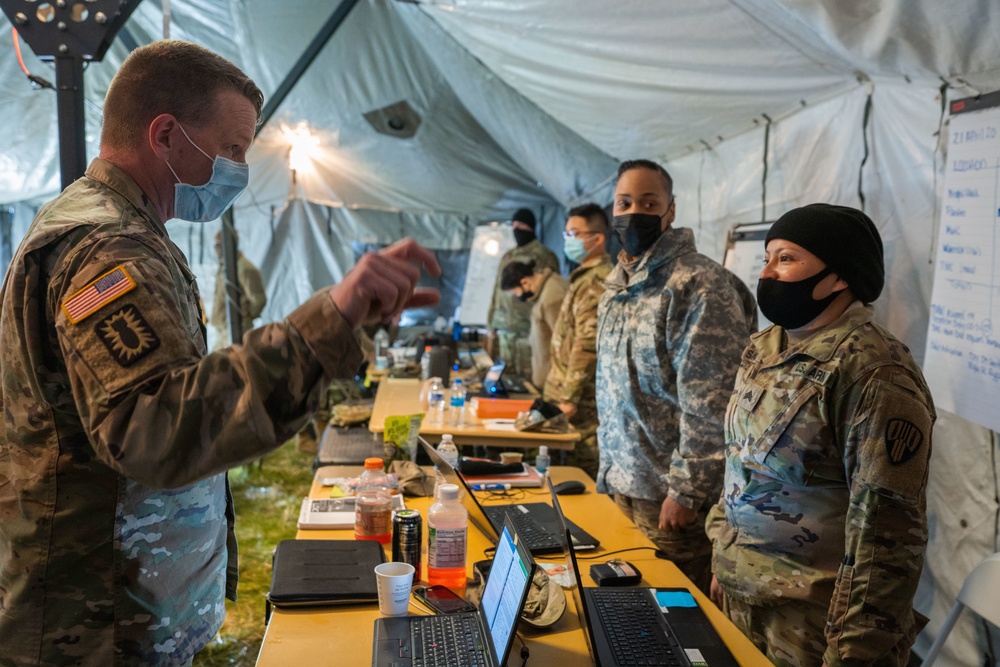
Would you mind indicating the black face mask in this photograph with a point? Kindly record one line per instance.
(524, 296)
(791, 304)
(523, 236)
(637, 232)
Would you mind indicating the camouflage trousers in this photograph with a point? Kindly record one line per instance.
(792, 634)
(688, 548)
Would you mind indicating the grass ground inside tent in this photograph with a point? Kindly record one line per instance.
(267, 499)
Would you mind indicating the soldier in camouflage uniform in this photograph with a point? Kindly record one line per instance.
(570, 382)
(670, 329)
(509, 319)
(821, 527)
(116, 524)
(252, 295)
(545, 291)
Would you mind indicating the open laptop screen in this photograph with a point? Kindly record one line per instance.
(506, 588)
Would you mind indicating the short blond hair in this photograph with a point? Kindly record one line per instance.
(169, 76)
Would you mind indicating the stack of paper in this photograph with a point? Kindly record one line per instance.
(333, 513)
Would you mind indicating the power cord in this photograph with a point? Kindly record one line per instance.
(659, 554)
(524, 651)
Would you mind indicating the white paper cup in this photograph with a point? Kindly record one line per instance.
(394, 582)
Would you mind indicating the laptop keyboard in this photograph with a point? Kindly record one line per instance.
(535, 536)
(447, 641)
(632, 624)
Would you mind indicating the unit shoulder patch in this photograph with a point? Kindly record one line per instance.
(99, 293)
(127, 335)
(902, 440)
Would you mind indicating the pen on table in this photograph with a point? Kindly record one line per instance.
(491, 487)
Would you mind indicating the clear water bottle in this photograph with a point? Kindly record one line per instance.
(435, 402)
(447, 539)
(381, 349)
(543, 460)
(425, 364)
(449, 452)
(373, 504)
(457, 403)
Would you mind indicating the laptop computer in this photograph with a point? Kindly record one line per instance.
(498, 385)
(483, 637)
(536, 522)
(643, 626)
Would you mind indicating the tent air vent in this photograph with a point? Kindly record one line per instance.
(397, 120)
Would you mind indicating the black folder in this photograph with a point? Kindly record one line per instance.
(314, 573)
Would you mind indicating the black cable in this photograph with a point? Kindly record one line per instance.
(608, 553)
(524, 651)
(864, 137)
(763, 178)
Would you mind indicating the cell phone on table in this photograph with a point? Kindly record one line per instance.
(442, 600)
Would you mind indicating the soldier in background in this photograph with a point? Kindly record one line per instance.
(821, 527)
(116, 531)
(252, 297)
(570, 383)
(509, 320)
(544, 289)
(671, 326)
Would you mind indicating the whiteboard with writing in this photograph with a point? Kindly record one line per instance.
(489, 244)
(962, 364)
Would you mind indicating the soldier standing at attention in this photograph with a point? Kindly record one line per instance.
(821, 527)
(250, 285)
(509, 320)
(116, 528)
(570, 383)
(670, 329)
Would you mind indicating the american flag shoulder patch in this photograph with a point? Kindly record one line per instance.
(98, 294)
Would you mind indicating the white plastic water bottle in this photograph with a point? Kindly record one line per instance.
(457, 403)
(542, 460)
(381, 349)
(449, 452)
(435, 402)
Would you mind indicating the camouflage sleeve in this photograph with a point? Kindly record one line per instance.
(158, 411)
(707, 334)
(582, 363)
(887, 448)
(254, 295)
(714, 521)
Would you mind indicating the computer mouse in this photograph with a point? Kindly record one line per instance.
(569, 488)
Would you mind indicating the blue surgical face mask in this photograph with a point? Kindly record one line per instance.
(573, 247)
(201, 203)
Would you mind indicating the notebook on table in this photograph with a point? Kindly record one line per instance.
(536, 522)
(482, 638)
(643, 626)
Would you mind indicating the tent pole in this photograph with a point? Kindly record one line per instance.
(305, 60)
(234, 296)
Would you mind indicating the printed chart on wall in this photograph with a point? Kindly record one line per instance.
(962, 364)
(744, 256)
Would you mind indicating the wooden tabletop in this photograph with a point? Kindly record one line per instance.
(397, 396)
(344, 635)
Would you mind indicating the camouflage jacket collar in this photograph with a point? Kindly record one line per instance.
(672, 244)
(768, 345)
(113, 177)
(579, 272)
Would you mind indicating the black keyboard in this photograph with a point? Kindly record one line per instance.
(533, 534)
(445, 641)
(632, 624)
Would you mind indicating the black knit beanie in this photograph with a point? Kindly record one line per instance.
(844, 238)
(524, 215)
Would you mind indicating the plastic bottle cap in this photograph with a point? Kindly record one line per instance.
(543, 450)
(448, 492)
(374, 463)
(458, 381)
(446, 436)
(427, 348)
